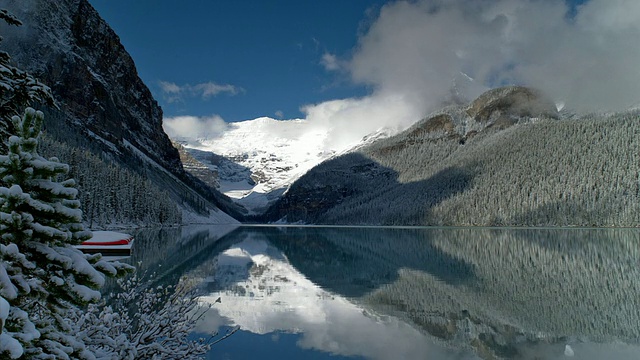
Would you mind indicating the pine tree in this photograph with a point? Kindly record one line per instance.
(42, 276)
(18, 88)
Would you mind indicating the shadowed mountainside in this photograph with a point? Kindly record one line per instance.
(506, 159)
(103, 105)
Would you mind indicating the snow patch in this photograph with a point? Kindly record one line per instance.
(109, 144)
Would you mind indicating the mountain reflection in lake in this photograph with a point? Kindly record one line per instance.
(409, 293)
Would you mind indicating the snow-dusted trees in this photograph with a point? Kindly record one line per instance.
(111, 194)
(41, 275)
(581, 171)
(17, 87)
(145, 322)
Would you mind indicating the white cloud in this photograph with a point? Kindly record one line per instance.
(193, 127)
(415, 51)
(170, 88)
(348, 120)
(209, 89)
(279, 114)
(173, 92)
(330, 62)
(589, 61)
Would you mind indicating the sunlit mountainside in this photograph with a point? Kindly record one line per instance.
(256, 160)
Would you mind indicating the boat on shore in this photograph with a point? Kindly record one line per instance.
(108, 243)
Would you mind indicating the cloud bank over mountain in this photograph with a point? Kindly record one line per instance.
(416, 54)
(193, 127)
(586, 58)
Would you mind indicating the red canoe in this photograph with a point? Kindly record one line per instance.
(107, 243)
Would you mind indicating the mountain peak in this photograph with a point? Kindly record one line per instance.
(509, 102)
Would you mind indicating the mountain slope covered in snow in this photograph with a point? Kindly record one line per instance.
(257, 160)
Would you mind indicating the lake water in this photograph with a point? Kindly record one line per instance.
(407, 293)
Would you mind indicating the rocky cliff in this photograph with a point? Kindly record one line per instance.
(69, 47)
(103, 104)
(209, 176)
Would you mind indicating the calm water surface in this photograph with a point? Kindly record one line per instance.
(407, 293)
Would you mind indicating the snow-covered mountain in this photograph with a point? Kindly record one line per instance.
(257, 160)
(103, 104)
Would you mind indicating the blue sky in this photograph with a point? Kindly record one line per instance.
(269, 52)
(365, 64)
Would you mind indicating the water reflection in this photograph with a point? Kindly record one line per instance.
(384, 293)
(165, 254)
(263, 293)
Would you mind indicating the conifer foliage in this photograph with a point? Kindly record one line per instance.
(17, 87)
(39, 207)
(42, 277)
(110, 194)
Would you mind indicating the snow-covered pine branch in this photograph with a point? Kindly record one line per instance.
(43, 278)
(18, 88)
(144, 323)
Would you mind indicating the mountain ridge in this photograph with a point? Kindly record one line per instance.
(518, 164)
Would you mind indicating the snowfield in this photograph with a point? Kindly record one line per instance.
(262, 157)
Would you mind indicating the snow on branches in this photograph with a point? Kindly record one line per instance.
(145, 322)
(50, 303)
(42, 277)
(18, 88)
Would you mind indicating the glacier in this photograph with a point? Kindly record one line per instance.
(258, 159)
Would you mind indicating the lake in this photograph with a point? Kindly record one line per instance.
(407, 293)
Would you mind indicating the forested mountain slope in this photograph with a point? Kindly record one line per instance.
(103, 105)
(506, 159)
(111, 195)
